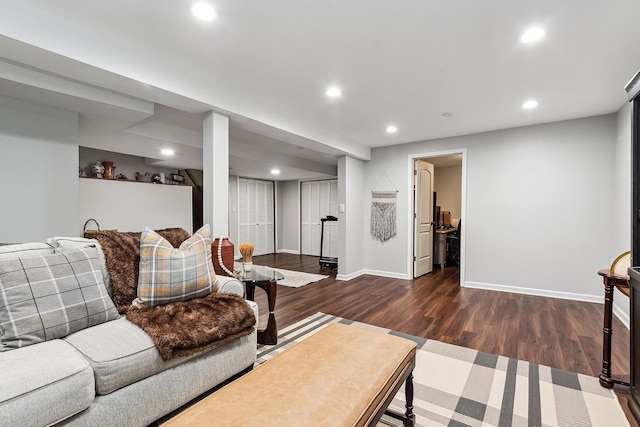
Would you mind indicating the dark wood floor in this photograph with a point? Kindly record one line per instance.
(559, 333)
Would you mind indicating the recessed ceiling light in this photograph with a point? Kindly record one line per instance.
(391, 129)
(333, 92)
(532, 35)
(275, 171)
(203, 11)
(528, 105)
(167, 152)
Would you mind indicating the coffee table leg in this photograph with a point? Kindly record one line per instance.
(410, 418)
(269, 335)
(250, 290)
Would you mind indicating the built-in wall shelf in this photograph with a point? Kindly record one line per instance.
(131, 180)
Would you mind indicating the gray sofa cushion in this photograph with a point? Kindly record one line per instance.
(24, 250)
(120, 353)
(141, 403)
(32, 395)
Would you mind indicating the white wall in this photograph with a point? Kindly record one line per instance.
(288, 216)
(351, 236)
(38, 171)
(130, 206)
(620, 212)
(537, 206)
(448, 188)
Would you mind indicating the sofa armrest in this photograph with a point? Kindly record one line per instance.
(230, 285)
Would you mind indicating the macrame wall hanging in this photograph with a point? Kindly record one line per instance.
(383, 211)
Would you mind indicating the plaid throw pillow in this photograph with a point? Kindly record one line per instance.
(51, 296)
(168, 274)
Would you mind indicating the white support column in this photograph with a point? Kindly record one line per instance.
(215, 165)
(351, 223)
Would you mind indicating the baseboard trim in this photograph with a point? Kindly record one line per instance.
(534, 292)
(622, 316)
(347, 277)
(392, 275)
(288, 251)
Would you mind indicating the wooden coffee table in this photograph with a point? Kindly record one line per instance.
(266, 279)
(340, 376)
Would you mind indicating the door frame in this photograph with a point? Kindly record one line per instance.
(410, 207)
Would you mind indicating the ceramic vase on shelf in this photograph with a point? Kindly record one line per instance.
(109, 170)
(98, 169)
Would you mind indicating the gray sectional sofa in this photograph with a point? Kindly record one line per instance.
(109, 374)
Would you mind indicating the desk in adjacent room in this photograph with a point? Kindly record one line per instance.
(440, 247)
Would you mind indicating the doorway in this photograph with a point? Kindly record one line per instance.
(447, 191)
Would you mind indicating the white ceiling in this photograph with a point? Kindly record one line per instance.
(266, 64)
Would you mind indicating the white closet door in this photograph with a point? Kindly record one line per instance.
(256, 206)
(319, 199)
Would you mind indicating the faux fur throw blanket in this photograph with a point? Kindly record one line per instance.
(122, 253)
(180, 328)
(184, 328)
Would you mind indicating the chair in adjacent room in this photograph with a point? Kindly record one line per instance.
(453, 245)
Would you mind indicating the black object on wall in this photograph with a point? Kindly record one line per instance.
(633, 91)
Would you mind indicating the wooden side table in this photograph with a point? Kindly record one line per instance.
(266, 279)
(610, 281)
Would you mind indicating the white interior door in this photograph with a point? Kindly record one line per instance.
(319, 199)
(423, 218)
(256, 215)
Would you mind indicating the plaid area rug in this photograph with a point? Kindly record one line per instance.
(457, 386)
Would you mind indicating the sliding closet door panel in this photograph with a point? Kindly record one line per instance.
(256, 206)
(307, 226)
(330, 248)
(318, 200)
